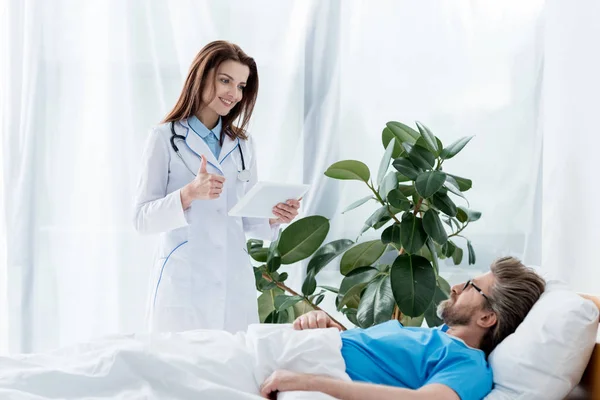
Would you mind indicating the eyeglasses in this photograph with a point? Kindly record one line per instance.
(470, 282)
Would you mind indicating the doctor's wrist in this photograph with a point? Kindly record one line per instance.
(186, 197)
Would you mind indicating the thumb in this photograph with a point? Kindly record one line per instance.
(202, 169)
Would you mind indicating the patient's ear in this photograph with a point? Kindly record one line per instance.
(487, 319)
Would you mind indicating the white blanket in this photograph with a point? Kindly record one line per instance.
(195, 365)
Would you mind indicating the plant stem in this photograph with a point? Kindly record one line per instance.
(418, 206)
(294, 293)
(459, 231)
(379, 199)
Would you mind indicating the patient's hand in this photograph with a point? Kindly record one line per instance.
(283, 381)
(314, 320)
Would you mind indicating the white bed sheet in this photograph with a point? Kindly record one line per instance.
(200, 364)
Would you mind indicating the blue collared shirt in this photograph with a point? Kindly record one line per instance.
(390, 354)
(201, 130)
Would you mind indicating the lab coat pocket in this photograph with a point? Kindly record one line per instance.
(173, 287)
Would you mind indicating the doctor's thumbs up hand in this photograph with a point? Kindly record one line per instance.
(205, 186)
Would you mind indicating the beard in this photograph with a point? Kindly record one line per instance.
(452, 315)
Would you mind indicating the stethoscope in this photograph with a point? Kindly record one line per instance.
(243, 175)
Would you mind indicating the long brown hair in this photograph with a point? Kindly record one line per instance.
(190, 99)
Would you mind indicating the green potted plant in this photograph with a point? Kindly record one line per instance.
(393, 276)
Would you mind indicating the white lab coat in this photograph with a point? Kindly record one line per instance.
(203, 278)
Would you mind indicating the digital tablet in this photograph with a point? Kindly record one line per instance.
(260, 200)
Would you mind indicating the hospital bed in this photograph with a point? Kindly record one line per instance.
(544, 359)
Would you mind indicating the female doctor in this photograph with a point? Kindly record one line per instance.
(196, 166)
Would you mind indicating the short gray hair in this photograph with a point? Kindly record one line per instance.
(515, 290)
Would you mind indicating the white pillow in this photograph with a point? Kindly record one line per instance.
(546, 356)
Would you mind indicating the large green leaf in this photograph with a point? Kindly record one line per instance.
(325, 254)
(464, 184)
(445, 204)
(382, 214)
(419, 156)
(357, 203)
(259, 254)
(457, 256)
(431, 246)
(309, 285)
(429, 138)
(273, 257)
(401, 178)
(406, 168)
(416, 322)
(448, 248)
(301, 308)
(361, 255)
(280, 317)
(421, 142)
(353, 284)
(386, 137)
(400, 132)
(412, 234)
(330, 289)
(350, 313)
(254, 244)
(349, 169)
(377, 303)
(302, 238)
(391, 235)
(389, 183)
(283, 302)
(266, 302)
(433, 226)
(428, 183)
(385, 161)
(407, 190)
(413, 284)
(398, 200)
(455, 147)
(431, 312)
(464, 214)
(282, 277)
(471, 252)
(398, 127)
(454, 187)
(444, 286)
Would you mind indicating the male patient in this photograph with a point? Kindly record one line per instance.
(389, 361)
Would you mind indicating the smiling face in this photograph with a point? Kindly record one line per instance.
(227, 88)
(467, 305)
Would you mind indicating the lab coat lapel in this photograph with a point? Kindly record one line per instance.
(199, 146)
(229, 145)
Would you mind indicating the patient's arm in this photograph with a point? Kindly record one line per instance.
(285, 381)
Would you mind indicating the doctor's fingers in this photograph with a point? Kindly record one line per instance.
(216, 185)
(214, 194)
(283, 215)
(294, 203)
(216, 178)
(287, 209)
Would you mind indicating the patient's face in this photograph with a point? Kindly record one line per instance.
(466, 302)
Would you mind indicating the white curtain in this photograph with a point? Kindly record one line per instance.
(571, 98)
(82, 82)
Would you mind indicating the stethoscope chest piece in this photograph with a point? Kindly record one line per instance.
(244, 175)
